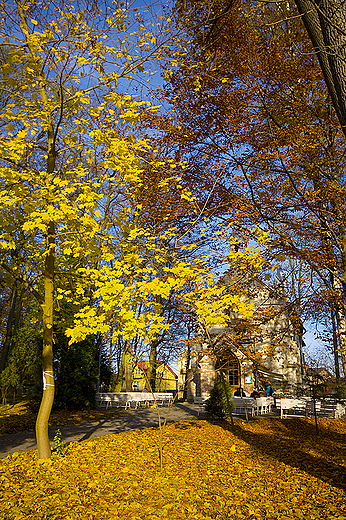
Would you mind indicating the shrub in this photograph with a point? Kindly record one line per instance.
(220, 403)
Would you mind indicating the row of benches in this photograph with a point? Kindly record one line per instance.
(132, 399)
(242, 405)
(263, 405)
(307, 407)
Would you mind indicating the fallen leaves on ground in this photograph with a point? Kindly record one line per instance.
(265, 469)
(20, 417)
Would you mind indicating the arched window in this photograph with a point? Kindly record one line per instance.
(230, 368)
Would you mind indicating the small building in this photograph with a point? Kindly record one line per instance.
(166, 379)
(250, 353)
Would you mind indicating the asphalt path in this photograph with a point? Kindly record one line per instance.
(126, 421)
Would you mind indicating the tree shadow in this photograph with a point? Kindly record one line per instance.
(188, 425)
(115, 423)
(188, 409)
(295, 443)
(90, 429)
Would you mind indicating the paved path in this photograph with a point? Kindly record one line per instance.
(126, 421)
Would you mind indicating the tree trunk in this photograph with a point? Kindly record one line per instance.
(341, 325)
(187, 369)
(150, 383)
(125, 372)
(43, 444)
(336, 287)
(325, 22)
(335, 349)
(128, 371)
(119, 384)
(110, 357)
(340, 318)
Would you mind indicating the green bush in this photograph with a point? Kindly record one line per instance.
(220, 403)
(75, 372)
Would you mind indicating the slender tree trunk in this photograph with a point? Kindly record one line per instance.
(119, 384)
(110, 357)
(125, 373)
(333, 265)
(151, 372)
(340, 318)
(341, 326)
(128, 371)
(187, 367)
(335, 349)
(9, 330)
(43, 444)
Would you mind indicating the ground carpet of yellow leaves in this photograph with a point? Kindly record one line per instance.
(263, 469)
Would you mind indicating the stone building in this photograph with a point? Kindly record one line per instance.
(250, 353)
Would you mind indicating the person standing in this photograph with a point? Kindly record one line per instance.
(269, 390)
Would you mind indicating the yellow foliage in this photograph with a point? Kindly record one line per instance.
(68, 149)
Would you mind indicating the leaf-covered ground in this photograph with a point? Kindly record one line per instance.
(21, 417)
(265, 469)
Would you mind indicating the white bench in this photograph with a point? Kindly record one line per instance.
(264, 405)
(200, 401)
(305, 406)
(245, 403)
(108, 400)
(138, 399)
(162, 398)
(296, 406)
(326, 408)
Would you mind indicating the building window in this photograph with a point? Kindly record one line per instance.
(230, 369)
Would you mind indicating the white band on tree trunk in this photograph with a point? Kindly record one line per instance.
(45, 384)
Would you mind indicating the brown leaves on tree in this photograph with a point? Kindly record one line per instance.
(250, 111)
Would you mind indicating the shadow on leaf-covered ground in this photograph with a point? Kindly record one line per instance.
(99, 424)
(295, 443)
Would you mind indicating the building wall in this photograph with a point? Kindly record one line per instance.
(166, 379)
(203, 372)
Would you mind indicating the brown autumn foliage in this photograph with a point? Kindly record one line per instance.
(251, 113)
